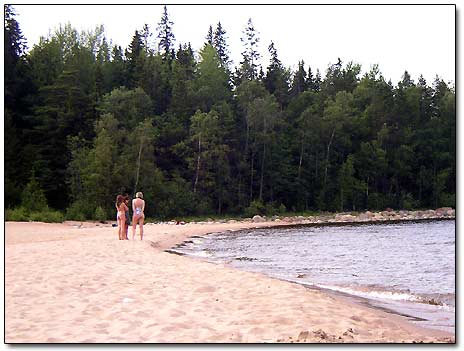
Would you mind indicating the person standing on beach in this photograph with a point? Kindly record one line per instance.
(128, 218)
(138, 207)
(121, 216)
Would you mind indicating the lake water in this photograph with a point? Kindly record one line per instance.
(406, 268)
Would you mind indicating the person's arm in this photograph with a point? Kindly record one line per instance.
(143, 206)
(133, 205)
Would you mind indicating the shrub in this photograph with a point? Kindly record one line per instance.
(47, 216)
(52, 216)
(408, 202)
(33, 197)
(78, 211)
(18, 214)
(100, 214)
(448, 200)
(255, 208)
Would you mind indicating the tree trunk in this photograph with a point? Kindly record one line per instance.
(262, 174)
(220, 201)
(327, 157)
(301, 158)
(138, 167)
(251, 177)
(198, 165)
(239, 189)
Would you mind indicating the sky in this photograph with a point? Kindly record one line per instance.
(416, 38)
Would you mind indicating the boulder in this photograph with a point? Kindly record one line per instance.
(363, 217)
(445, 211)
(258, 218)
(348, 218)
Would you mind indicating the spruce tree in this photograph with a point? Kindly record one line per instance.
(209, 36)
(299, 83)
(250, 54)
(220, 44)
(166, 36)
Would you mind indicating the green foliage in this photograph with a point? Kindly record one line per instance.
(100, 214)
(18, 214)
(96, 121)
(408, 202)
(33, 197)
(255, 208)
(79, 211)
(269, 209)
(21, 214)
(47, 216)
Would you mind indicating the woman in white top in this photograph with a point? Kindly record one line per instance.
(138, 206)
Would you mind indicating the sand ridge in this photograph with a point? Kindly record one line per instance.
(76, 283)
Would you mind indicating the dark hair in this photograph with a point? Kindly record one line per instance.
(119, 200)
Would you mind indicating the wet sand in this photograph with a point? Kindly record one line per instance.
(76, 283)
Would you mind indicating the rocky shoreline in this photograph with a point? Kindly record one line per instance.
(387, 215)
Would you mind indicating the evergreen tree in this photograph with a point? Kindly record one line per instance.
(276, 79)
(135, 57)
(299, 83)
(220, 44)
(166, 36)
(250, 64)
(209, 36)
(18, 89)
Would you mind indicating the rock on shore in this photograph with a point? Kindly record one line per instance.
(368, 216)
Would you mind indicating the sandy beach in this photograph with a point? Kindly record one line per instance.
(76, 283)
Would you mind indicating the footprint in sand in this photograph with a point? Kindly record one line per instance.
(177, 313)
(205, 289)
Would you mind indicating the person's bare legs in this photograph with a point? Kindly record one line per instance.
(141, 227)
(134, 226)
(121, 224)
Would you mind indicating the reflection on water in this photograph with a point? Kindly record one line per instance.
(407, 267)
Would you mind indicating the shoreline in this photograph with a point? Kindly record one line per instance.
(350, 297)
(58, 276)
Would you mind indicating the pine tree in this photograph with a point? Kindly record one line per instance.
(317, 81)
(135, 59)
(300, 83)
(251, 56)
(145, 34)
(166, 36)
(209, 36)
(14, 45)
(276, 79)
(18, 86)
(219, 43)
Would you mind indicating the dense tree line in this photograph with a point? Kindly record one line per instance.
(86, 120)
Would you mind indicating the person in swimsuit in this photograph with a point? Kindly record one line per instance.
(128, 217)
(138, 206)
(121, 216)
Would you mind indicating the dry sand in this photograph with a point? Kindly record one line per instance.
(73, 283)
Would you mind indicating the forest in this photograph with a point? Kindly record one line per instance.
(85, 120)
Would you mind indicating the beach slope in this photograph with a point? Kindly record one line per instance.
(76, 283)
